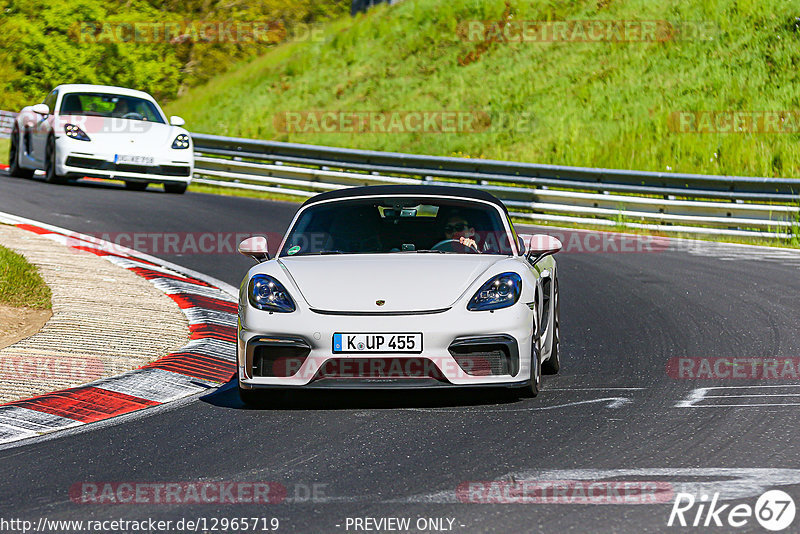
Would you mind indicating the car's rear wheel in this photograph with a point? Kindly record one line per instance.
(553, 364)
(176, 188)
(136, 186)
(13, 156)
(51, 176)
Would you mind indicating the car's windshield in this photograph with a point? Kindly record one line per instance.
(110, 105)
(398, 225)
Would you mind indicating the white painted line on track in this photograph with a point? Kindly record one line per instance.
(699, 395)
(731, 483)
(613, 403)
(595, 389)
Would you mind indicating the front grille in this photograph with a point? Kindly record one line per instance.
(156, 170)
(379, 368)
(138, 169)
(278, 360)
(487, 356)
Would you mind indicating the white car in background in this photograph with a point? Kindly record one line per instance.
(103, 132)
(399, 287)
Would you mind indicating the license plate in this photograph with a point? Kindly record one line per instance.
(133, 159)
(385, 343)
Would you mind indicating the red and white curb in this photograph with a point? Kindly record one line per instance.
(208, 360)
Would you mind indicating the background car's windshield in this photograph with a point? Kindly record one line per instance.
(397, 224)
(110, 105)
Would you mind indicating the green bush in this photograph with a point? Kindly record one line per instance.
(42, 43)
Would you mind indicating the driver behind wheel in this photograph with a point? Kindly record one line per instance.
(121, 109)
(458, 228)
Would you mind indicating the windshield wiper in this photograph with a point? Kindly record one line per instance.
(323, 252)
(428, 251)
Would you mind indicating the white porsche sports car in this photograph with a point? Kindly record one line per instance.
(399, 286)
(104, 132)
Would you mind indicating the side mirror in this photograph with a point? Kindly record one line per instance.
(176, 121)
(537, 246)
(41, 109)
(255, 247)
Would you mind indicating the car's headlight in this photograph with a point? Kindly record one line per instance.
(266, 293)
(501, 291)
(75, 133)
(181, 142)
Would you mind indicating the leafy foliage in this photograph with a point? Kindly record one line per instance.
(45, 43)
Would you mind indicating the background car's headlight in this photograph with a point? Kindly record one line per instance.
(501, 291)
(180, 142)
(266, 293)
(75, 133)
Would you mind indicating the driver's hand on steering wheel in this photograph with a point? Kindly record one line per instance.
(469, 242)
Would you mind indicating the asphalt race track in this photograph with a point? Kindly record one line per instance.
(612, 413)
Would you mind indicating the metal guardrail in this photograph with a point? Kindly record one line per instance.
(690, 203)
(687, 203)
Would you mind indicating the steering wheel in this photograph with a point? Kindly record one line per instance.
(454, 244)
(133, 116)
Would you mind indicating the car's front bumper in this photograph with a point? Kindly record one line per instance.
(441, 362)
(79, 160)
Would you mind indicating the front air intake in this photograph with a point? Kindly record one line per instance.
(276, 357)
(486, 356)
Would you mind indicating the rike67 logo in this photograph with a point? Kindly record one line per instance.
(774, 510)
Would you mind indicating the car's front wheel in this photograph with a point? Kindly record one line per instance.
(50, 174)
(176, 188)
(249, 397)
(532, 389)
(13, 156)
(553, 364)
(252, 398)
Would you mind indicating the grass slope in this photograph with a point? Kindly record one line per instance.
(592, 104)
(20, 282)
